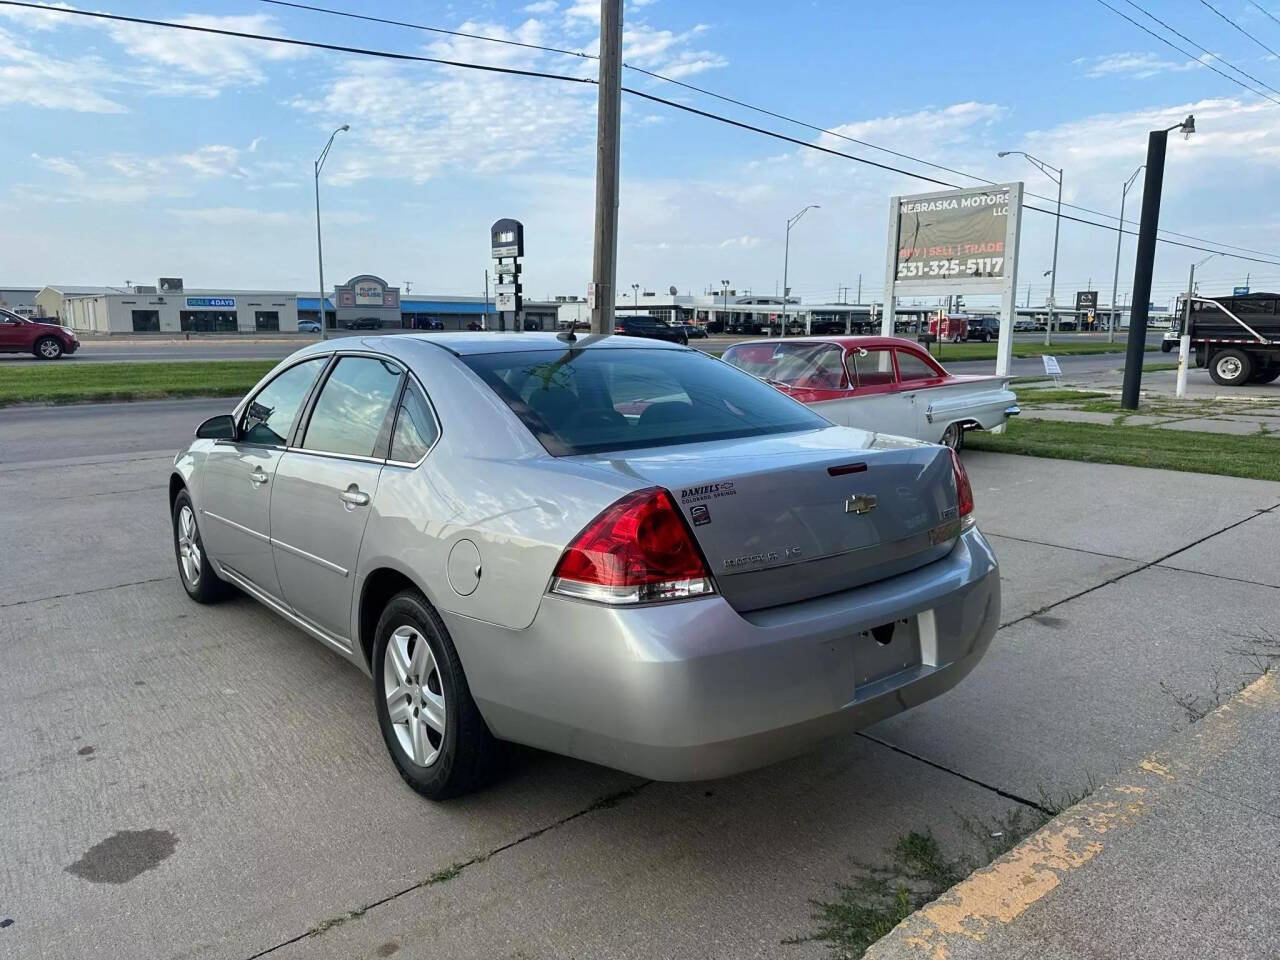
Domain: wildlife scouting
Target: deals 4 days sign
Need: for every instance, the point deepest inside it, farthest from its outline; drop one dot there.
(956, 236)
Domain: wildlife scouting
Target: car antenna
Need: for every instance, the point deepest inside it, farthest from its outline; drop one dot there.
(567, 334)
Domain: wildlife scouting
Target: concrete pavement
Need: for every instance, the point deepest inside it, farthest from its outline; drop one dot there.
(208, 782)
(1175, 857)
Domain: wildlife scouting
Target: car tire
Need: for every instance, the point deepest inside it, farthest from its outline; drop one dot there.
(1230, 368)
(953, 436)
(684, 341)
(195, 572)
(438, 764)
(47, 348)
(1166, 346)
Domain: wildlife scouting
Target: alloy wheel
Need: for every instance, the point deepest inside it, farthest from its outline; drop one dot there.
(415, 696)
(1229, 368)
(189, 553)
(50, 350)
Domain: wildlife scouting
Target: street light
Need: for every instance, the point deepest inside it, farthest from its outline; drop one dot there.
(1184, 341)
(724, 284)
(1115, 279)
(635, 289)
(1057, 222)
(319, 165)
(786, 259)
(1152, 186)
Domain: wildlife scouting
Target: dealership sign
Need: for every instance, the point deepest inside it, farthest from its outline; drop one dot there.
(212, 302)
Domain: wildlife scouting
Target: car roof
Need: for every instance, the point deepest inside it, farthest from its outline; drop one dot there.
(473, 342)
(842, 341)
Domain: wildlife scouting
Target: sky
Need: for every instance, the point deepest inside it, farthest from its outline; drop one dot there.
(134, 152)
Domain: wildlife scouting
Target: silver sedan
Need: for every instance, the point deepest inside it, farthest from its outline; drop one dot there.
(616, 549)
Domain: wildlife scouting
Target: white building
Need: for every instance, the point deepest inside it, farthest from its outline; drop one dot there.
(175, 310)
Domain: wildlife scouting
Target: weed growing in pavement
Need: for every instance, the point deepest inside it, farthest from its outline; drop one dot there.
(918, 871)
(1260, 651)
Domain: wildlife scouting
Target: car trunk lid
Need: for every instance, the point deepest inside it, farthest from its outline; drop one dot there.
(793, 516)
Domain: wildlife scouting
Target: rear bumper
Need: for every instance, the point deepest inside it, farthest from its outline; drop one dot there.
(694, 690)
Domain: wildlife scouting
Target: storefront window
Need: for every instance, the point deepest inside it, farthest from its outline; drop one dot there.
(146, 321)
(266, 320)
(209, 321)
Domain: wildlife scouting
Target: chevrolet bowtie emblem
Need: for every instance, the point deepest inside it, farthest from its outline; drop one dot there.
(860, 503)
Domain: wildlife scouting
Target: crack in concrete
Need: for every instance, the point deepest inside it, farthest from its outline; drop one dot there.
(998, 791)
(455, 869)
(80, 593)
(1146, 565)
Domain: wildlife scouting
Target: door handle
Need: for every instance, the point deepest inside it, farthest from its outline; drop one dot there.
(258, 478)
(353, 496)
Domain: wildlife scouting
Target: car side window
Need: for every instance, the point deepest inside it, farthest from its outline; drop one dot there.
(415, 429)
(269, 416)
(875, 369)
(350, 416)
(913, 369)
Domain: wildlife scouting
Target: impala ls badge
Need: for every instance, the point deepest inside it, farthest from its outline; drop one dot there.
(860, 503)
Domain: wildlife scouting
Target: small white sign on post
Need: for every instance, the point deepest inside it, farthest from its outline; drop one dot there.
(1051, 367)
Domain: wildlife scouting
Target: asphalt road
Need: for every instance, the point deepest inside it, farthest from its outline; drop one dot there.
(185, 781)
(147, 349)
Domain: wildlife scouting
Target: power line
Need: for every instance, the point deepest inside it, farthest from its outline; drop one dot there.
(736, 102)
(1206, 50)
(364, 51)
(1266, 11)
(1240, 28)
(1187, 53)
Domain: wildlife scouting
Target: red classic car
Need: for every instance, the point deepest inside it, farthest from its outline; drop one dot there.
(878, 383)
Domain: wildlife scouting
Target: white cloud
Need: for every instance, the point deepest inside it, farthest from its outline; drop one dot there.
(253, 216)
(216, 61)
(58, 165)
(667, 52)
(214, 160)
(34, 79)
(541, 6)
(745, 242)
(38, 19)
(255, 143)
(1139, 66)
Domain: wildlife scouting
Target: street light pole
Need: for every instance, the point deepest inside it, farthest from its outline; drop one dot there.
(724, 284)
(1115, 279)
(786, 262)
(319, 165)
(1057, 223)
(635, 289)
(1184, 341)
(1135, 348)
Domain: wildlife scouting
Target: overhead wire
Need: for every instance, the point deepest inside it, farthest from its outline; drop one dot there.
(515, 71)
(1240, 28)
(315, 8)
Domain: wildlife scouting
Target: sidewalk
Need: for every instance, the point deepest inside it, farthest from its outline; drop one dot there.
(1174, 858)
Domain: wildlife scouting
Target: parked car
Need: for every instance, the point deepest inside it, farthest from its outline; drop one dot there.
(308, 326)
(691, 331)
(48, 341)
(714, 579)
(649, 327)
(1025, 326)
(364, 323)
(985, 328)
(884, 384)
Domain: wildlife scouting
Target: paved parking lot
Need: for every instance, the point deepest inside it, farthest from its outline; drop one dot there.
(209, 782)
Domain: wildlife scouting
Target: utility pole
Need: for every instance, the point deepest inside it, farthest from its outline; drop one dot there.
(1152, 187)
(604, 267)
(1115, 280)
(486, 300)
(859, 300)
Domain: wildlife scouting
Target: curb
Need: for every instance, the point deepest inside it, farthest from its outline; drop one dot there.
(991, 900)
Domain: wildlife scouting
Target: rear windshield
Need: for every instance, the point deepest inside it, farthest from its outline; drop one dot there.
(597, 401)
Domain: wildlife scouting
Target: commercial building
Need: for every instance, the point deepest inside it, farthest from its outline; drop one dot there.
(170, 308)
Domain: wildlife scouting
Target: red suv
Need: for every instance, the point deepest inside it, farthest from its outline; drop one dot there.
(48, 341)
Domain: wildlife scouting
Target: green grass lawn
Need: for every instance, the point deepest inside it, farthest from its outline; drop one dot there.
(1157, 367)
(68, 381)
(1253, 456)
(987, 351)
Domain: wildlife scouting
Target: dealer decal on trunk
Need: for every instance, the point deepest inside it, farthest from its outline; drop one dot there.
(707, 491)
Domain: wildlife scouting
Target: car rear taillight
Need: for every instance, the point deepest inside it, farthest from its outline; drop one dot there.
(964, 491)
(637, 551)
(619, 329)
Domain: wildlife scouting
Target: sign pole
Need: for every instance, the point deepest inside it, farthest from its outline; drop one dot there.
(1009, 295)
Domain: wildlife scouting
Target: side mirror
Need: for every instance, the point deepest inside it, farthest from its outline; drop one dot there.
(221, 427)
